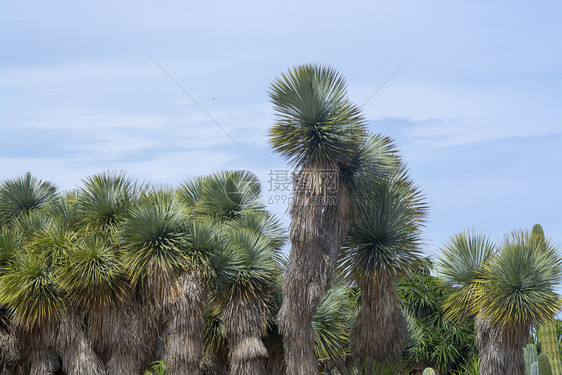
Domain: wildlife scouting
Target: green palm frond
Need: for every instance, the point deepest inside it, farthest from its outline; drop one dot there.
(386, 235)
(316, 123)
(376, 158)
(105, 199)
(226, 194)
(190, 191)
(331, 323)
(202, 243)
(35, 221)
(64, 210)
(463, 256)
(265, 224)
(255, 263)
(93, 273)
(154, 238)
(214, 338)
(51, 243)
(31, 292)
(517, 285)
(23, 195)
(11, 243)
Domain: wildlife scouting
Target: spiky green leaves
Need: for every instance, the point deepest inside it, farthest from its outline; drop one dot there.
(316, 123)
(93, 273)
(512, 286)
(223, 195)
(464, 256)
(105, 199)
(23, 195)
(386, 235)
(517, 284)
(154, 237)
(30, 289)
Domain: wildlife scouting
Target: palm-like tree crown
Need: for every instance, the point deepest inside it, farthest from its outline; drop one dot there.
(154, 238)
(22, 195)
(463, 258)
(516, 286)
(316, 123)
(386, 235)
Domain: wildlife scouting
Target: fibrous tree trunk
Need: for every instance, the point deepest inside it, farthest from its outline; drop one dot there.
(74, 347)
(380, 331)
(184, 348)
(244, 324)
(319, 221)
(501, 347)
(123, 335)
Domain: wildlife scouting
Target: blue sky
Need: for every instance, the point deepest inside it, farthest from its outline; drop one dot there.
(476, 112)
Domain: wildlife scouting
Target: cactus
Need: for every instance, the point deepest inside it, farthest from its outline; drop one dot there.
(534, 369)
(428, 371)
(544, 364)
(530, 355)
(547, 332)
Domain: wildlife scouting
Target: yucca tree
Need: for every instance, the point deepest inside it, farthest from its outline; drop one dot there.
(154, 237)
(244, 299)
(383, 244)
(23, 195)
(323, 136)
(117, 320)
(508, 293)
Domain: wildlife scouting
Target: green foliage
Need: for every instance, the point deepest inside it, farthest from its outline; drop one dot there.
(332, 321)
(316, 123)
(530, 356)
(386, 235)
(157, 368)
(29, 287)
(154, 237)
(23, 195)
(544, 364)
(517, 285)
(379, 369)
(435, 340)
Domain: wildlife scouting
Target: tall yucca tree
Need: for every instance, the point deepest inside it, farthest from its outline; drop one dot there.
(230, 200)
(116, 317)
(28, 287)
(154, 237)
(382, 244)
(23, 195)
(511, 290)
(322, 135)
(244, 298)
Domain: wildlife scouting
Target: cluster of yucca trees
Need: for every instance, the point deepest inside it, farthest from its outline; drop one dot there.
(112, 276)
(107, 278)
(505, 289)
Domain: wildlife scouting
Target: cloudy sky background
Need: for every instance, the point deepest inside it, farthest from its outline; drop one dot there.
(476, 112)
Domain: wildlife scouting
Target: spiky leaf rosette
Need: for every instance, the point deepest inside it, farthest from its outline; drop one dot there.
(254, 266)
(30, 290)
(23, 195)
(226, 194)
(93, 273)
(105, 199)
(154, 239)
(386, 235)
(264, 224)
(331, 323)
(517, 285)
(316, 123)
(463, 257)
